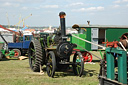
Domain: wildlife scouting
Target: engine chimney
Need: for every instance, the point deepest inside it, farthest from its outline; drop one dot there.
(62, 23)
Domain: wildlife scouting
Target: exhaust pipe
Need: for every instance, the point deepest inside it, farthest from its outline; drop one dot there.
(62, 23)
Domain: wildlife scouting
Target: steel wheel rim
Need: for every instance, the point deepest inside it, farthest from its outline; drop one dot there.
(16, 53)
(50, 65)
(78, 64)
(87, 57)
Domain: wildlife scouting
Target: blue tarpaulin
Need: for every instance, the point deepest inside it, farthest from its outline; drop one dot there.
(24, 28)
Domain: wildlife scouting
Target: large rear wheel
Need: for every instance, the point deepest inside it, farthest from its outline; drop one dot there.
(78, 66)
(51, 64)
(35, 55)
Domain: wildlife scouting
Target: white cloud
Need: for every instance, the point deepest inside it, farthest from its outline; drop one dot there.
(50, 6)
(117, 1)
(23, 1)
(127, 5)
(100, 8)
(116, 6)
(77, 3)
(91, 9)
(24, 8)
(125, 0)
(120, 1)
(78, 10)
(8, 4)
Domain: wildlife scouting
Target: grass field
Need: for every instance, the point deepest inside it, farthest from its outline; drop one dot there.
(17, 72)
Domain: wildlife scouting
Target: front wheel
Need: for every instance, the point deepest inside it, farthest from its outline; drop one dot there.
(51, 64)
(78, 66)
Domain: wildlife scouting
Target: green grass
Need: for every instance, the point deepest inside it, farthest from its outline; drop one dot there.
(16, 72)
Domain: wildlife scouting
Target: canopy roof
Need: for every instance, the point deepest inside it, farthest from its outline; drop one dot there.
(98, 26)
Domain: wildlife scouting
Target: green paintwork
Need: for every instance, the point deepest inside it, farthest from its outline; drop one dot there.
(11, 53)
(48, 38)
(33, 50)
(111, 35)
(78, 41)
(122, 64)
(122, 68)
(41, 41)
(53, 38)
(33, 60)
(88, 37)
(101, 54)
(3, 51)
(110, 66)
(114, 34)
(1, 42)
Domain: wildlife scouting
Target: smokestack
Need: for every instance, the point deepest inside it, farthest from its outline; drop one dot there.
(62, 23)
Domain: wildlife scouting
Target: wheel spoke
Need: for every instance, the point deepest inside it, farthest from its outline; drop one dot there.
(33, 49)
(77, 70)
(31, 57)
(50, 71)
(51, 64)
(33, 61)
(78, 64)
(50, 59)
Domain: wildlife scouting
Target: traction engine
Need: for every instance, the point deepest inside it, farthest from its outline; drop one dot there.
(54, 51)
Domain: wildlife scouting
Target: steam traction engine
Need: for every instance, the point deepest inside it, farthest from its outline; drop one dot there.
(54, 51)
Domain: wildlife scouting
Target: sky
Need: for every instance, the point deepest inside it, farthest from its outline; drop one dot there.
(45, 12)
